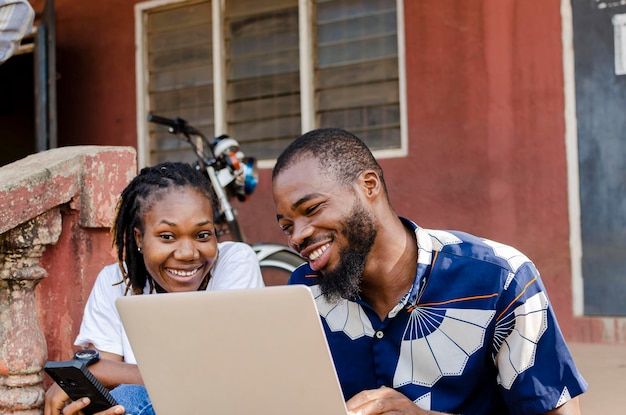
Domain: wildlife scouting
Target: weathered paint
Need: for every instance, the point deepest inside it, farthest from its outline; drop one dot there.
(57, 207)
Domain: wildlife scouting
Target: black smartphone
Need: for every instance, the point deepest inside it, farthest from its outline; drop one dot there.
(78, 382)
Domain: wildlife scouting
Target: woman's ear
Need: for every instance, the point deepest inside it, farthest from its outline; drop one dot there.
(138, 237)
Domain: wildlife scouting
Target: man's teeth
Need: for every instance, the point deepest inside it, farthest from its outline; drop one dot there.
(319, 251)
(183, 273)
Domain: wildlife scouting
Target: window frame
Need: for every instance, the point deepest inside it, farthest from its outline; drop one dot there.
(307, 75)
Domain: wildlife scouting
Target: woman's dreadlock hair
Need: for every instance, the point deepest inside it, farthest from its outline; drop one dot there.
(136, 199)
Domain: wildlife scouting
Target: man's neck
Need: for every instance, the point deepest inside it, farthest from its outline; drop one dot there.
(390, 269)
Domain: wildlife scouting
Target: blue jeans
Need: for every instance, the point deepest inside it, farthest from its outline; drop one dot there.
(134, 398)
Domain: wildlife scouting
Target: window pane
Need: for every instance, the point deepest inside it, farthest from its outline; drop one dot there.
(366, 49)
(263, 85)
(331, 9)
(180, 67)
(350, 119)
(357, 69)
(357, 27)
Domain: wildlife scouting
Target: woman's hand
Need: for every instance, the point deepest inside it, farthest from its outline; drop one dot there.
(74, 408)
(55, 400)
(58, 403)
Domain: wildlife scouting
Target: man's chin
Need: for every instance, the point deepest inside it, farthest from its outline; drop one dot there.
(334, 289)
(323, 273)
(331, 296)
(316, 267)
(325, 270)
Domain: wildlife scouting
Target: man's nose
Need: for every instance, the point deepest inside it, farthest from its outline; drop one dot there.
(300, 234)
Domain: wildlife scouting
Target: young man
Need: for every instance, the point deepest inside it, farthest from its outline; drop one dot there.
(418, 321)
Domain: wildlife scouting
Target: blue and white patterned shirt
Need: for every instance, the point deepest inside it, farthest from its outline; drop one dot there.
(475, 334)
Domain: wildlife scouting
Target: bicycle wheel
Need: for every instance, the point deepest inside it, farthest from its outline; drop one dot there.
(277, 262)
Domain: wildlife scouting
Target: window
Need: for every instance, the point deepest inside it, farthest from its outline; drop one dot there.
(179, 69)
(263, 82)
(600, 165)
(283, 67)
(357, 84)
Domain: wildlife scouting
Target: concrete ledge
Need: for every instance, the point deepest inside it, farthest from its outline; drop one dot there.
(604, 367)
(55, 211)
(87, 176)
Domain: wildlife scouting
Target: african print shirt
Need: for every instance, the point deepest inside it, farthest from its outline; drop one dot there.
(475, 334)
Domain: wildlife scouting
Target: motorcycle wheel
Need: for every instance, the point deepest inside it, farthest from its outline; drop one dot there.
(277, 263)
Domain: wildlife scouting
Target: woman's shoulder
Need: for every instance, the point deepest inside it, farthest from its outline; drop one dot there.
(237, 267)
(111, 271)
(110, 276)
(230, 248)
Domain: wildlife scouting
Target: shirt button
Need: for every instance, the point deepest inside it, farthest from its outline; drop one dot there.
(379, 334)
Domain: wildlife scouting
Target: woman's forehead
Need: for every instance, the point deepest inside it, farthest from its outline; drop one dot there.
(164, 197)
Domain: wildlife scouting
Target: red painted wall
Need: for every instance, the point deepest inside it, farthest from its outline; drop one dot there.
(62, 295)
(486, 132)
(486, 128)
(485, 120)
(95, 71)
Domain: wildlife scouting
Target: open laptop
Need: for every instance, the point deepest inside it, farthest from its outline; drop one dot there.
(239, 352)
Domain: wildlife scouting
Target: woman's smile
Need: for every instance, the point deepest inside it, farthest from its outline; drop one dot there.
(178, 240)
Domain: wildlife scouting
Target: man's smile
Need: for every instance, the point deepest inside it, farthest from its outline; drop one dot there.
(319, 251)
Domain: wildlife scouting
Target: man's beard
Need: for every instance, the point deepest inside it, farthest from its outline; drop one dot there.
(359, 229)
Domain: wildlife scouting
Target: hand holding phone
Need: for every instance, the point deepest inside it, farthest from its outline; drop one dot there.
(78, 382)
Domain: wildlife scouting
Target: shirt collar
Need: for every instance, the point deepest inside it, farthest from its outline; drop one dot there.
(424, 259)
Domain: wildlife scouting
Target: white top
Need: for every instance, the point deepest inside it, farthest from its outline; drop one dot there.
(237, 268)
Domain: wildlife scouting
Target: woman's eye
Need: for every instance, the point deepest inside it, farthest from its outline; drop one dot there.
(204, 235)
(167, 237)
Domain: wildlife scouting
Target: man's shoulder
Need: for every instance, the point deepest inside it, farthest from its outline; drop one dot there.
(303, 275)
(469, 247)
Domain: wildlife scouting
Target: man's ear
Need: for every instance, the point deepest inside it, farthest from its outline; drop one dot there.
(138, 237)
(371, 183)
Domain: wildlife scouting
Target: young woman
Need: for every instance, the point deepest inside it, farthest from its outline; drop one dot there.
(166, 242)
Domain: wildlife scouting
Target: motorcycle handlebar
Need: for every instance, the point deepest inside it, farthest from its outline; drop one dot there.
(178, 125)
(157, 119)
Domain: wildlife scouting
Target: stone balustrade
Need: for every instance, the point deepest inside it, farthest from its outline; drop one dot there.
(56, 209)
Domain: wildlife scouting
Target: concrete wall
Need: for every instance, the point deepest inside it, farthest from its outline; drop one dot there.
(84, 246)
(56, 208)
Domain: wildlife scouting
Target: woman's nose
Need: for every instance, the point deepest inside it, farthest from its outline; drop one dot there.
(186, 250)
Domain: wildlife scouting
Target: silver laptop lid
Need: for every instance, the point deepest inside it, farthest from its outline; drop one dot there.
(238, 352)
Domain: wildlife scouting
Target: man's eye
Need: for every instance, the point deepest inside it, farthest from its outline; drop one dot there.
(286, 229)
(312, 209)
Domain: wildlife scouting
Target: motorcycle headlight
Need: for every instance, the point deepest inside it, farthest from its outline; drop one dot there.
(223, 145)
(251, 175)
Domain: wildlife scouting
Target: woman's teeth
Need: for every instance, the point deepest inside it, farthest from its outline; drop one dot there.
(181, 273)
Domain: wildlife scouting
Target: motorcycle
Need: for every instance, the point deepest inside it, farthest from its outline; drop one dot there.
(232, 175)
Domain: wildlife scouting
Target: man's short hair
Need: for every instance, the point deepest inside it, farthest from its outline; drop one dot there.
(338, 152)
